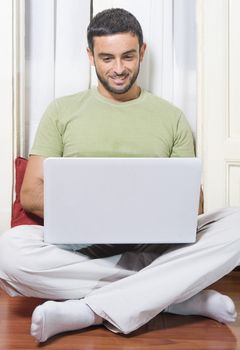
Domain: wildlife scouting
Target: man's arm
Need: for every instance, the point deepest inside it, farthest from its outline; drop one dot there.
(31, 195)
(201, 204)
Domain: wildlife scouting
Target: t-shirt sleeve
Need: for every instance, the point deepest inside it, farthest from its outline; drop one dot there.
(183, 145)
(48, 139)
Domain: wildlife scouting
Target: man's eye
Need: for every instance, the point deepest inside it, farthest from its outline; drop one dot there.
(128, 57)
(106, 59)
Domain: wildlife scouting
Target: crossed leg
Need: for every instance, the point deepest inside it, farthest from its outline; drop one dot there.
(123, 291)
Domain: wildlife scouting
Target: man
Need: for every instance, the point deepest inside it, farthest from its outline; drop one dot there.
(121, 287)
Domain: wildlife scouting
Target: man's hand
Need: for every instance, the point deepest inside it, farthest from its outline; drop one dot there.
(31, 195)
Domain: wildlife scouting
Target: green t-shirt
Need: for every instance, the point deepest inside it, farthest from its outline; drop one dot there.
(89, 125)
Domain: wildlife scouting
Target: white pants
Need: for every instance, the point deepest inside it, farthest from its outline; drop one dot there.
(127, 289)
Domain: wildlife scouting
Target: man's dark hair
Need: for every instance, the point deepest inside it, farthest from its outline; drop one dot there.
(113, 21)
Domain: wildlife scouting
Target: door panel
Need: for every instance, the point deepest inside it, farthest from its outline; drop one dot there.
(218, 97)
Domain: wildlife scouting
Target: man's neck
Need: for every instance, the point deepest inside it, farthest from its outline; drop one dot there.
(132, 94)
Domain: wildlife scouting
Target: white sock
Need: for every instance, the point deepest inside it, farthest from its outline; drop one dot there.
(208, 303)
(54, 317)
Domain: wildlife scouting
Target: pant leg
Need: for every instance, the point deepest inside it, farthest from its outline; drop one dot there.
(31, 267)
(174, 276)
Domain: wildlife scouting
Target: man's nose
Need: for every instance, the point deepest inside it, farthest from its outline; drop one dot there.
(118, 66)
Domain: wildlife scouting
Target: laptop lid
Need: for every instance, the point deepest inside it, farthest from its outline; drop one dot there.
(121, 200)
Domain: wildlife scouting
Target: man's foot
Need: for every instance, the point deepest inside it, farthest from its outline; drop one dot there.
(208, 303)
(54, 317)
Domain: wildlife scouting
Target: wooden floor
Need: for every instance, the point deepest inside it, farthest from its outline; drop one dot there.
(166, 332)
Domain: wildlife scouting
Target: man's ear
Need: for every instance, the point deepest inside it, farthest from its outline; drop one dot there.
(90, 56)
(142, 51)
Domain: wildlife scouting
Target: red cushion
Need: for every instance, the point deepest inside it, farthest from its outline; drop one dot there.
(19, 216)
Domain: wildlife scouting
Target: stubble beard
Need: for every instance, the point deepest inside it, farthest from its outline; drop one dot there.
(111, 89)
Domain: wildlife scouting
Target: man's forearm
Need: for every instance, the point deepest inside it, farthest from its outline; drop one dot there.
(32, 200)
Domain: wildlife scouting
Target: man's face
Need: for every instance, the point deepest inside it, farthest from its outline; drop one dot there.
(117, 61)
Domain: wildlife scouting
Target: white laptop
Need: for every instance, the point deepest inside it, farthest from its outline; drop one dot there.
(121, 200)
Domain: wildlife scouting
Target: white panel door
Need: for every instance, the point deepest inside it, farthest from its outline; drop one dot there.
(219, 109)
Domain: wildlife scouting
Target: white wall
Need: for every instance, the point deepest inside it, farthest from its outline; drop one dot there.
(6, 113)
(56, 58)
